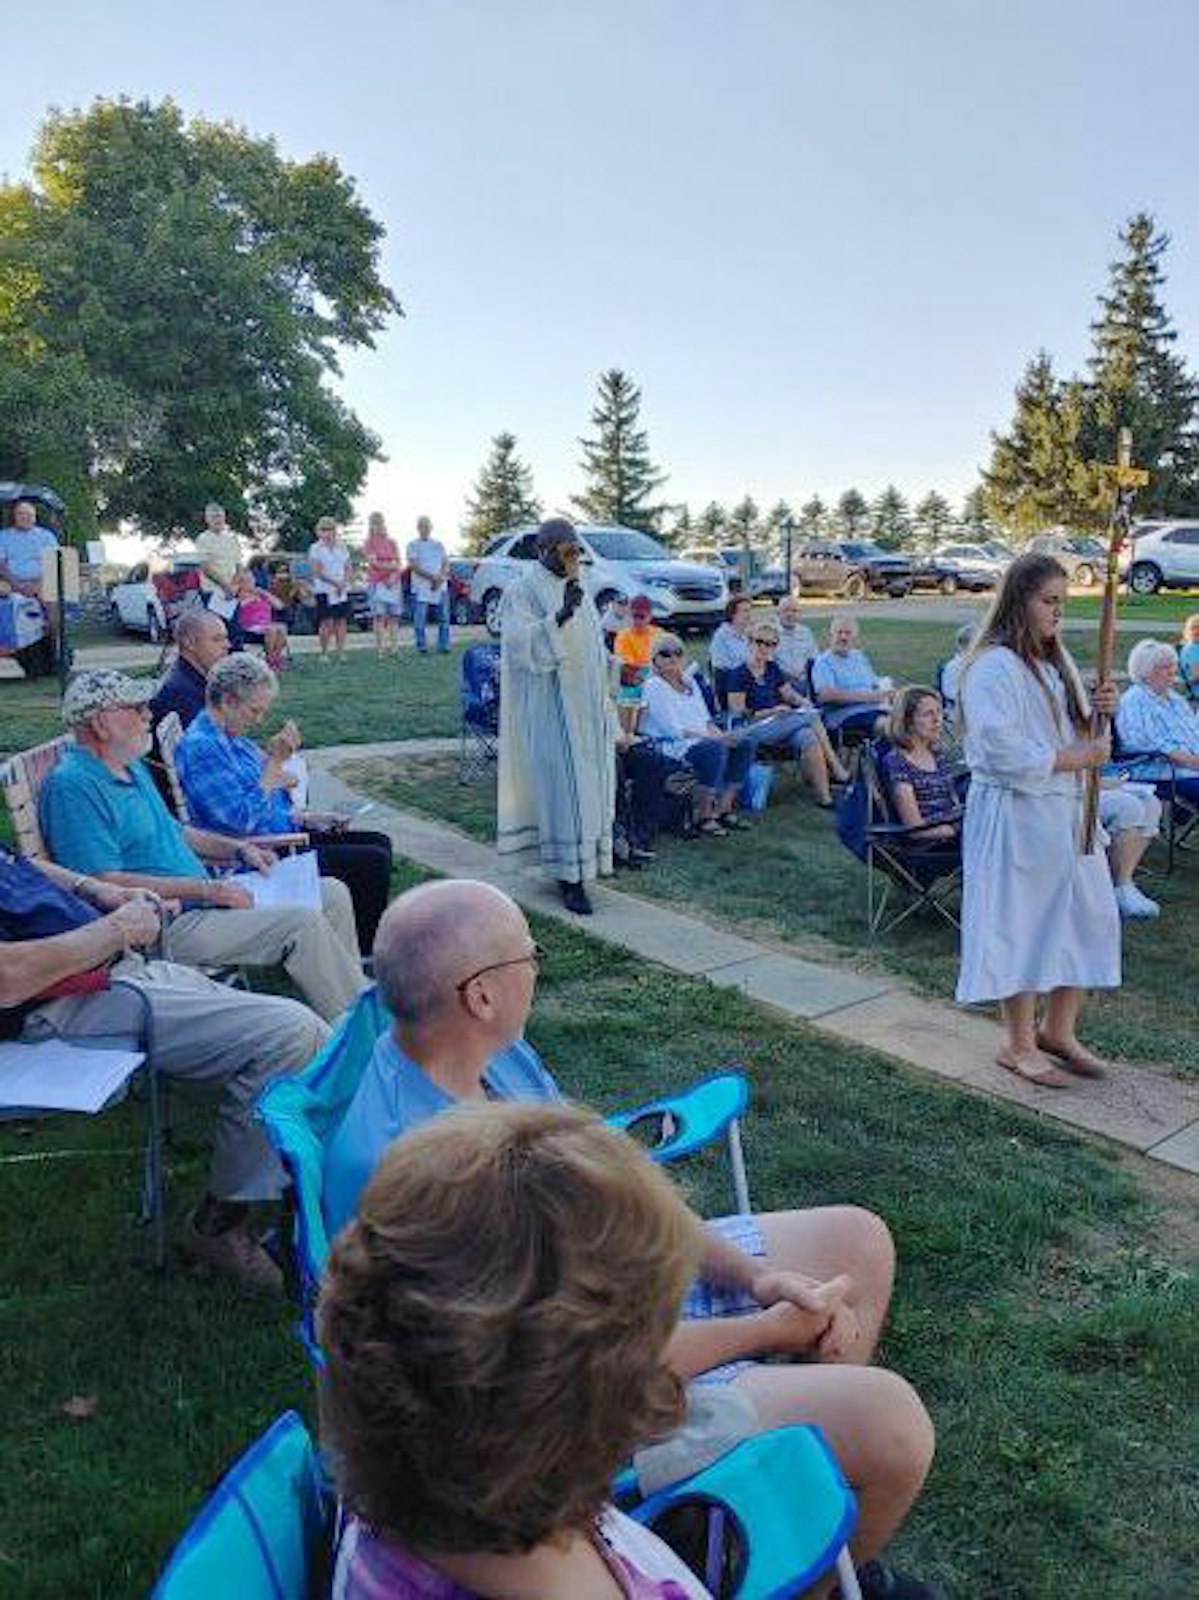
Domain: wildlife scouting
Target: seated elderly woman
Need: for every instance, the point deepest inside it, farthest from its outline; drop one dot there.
(1153, 716)
(778, 715)
(489, 1365)
(676, 717)
(233, 786)
(849, 692)
(920, 779)
(729, 647)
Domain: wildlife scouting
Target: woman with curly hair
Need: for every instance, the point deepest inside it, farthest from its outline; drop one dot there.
(495, 1322)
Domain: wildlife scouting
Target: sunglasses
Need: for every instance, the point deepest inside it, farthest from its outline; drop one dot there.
(768, 644)
(671, 653)
(535, 957)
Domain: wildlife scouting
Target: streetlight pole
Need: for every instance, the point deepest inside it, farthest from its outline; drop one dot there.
(788, 528)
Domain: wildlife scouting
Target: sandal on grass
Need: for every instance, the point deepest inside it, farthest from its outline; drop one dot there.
(1032, 1067)
(1077, 1059)
(711, 829)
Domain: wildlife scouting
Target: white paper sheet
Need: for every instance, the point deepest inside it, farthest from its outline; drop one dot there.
(297, 767)
(55, 1076)
(293, 881)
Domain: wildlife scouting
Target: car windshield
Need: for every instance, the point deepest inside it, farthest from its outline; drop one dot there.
(861, 552)
(626, 544)
(1085, 547)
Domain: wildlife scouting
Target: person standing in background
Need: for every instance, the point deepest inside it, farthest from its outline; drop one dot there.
(430, 585)
(383, 585)
(330, 560)
(219, 551)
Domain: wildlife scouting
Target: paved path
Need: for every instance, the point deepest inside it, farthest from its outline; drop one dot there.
(1146, 1111)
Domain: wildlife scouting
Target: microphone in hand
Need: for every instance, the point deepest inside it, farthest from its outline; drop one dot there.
(572, 598)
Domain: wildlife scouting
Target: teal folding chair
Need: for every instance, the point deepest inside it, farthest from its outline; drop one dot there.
(301, 1113)
(265, 1531)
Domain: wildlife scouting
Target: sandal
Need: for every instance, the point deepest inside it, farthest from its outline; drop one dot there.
(1032, 1067)
(1077, 1060)
(711, 829)
(733, 821)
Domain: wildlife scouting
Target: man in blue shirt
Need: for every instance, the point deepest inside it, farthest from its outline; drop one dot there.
(102, 816)
(457, 968)
(21, 548)
(845, 684)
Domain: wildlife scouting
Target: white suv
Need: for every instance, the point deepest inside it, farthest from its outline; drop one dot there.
(1165, 555)
(684, 594)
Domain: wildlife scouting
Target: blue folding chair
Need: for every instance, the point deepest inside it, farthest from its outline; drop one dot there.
(773, 1516)
(1180, 814)
(302, 1112)
(265, 1532)
(479, 731)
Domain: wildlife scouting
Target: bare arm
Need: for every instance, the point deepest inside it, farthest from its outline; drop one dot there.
(31, 966)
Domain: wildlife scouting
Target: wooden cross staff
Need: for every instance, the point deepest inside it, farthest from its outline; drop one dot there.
(1126, 480)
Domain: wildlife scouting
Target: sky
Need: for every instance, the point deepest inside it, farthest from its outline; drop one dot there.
(824, 236)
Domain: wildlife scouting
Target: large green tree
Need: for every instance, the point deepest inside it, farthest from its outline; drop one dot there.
(621, 478)
(202, 287)
(890, 519)
(744, 521)
(853, 514)
(503, 495)
(1139, 381)
(813, 518)
(932, 519)
(711, 526)
(1039, 476)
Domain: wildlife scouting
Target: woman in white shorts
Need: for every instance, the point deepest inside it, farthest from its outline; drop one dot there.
(383, 585)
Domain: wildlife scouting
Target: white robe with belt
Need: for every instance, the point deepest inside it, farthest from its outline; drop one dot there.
(1036, 914)
(557, 766)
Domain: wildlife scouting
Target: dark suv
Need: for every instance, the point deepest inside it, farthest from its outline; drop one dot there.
(853, 568)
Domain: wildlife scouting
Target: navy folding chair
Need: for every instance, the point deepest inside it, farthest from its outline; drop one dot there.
(478, 737)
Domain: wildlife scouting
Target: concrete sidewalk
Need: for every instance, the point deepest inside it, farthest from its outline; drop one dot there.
(1137, 1107)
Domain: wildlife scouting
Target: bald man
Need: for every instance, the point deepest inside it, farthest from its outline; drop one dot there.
(203, 639)
(457, 968)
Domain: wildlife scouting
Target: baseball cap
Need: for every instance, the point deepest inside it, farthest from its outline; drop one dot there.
(641, 606)
(100, 689)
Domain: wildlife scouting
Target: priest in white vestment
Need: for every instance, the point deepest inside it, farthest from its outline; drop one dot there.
(1039, 918)
(557, 765)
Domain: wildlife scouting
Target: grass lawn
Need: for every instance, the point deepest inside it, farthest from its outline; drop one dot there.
(1043, 1308)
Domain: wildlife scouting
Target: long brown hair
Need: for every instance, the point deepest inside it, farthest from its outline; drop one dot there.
(1007, 624)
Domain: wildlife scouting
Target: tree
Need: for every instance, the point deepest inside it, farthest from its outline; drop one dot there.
(743, 521)
(813, 518)
(503, 495)
(711, 526)
(777, 518)
(890, 520)
(1139, 382)
(932, 519)
(1038, 477)
(202, 287)
(974, 513)
(621, 476)
(681, 534)
(852, 513)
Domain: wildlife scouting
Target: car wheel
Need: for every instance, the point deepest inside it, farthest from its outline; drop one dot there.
(1084, 575)
(1144, 578)
(154, 628)
(460, 612)
(492, 602)
(856, 586)
(948, 584)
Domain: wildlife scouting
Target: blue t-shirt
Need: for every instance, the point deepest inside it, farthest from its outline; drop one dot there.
(22, 551)
(396, 1095)
(1188, 663)
(96, 822)
(849, 671)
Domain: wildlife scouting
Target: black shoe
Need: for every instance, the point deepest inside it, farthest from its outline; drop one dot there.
(878, 1582)
(641, 856)
(574, 898)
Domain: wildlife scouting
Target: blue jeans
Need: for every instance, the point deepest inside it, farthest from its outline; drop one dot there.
(420, 616)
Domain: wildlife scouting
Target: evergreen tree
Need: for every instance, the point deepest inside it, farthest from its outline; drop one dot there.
(932, 519)
(1039, 477)
(779, 514)
(711, 527)
(813, 518)
(1138, 381)
(621, 476)
(503, 495)
(890, 520)
(975, 516)
(743, 521)
(680, 534)
(853, 514)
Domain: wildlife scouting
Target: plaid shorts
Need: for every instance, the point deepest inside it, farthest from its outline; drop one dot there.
(704, 1300)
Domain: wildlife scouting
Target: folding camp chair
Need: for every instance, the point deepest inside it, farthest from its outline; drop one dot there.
(478, 737)
(167, 735)
(302, 1112)
(851, 734)
(177, 592)
(1180, 813)
(776, 1514)
(21, 778)
(901, 859)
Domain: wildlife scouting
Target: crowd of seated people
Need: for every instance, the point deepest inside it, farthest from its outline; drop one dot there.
(848, 690)
(778, 714)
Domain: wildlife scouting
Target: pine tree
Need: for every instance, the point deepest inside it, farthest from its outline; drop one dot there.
(743, 521)
(853, 514)
(974, 514)
(1139, 382)
(813, 518)
(932, 519)
(1039, 476)
(712, 526)
(890, 519)
(503, 495)
(679, 534)
(777, 517)
(621, 477)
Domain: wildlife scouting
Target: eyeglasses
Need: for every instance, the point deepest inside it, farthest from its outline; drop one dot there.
(767, 644)
(670, 653)
(534, 957)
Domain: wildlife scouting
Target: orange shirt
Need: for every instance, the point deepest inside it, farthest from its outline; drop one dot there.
(635, 646)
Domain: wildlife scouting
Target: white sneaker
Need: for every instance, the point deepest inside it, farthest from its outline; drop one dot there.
(1135, 906)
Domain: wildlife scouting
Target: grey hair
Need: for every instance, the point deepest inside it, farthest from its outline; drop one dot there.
(666, 641)
(234, 677)
(431, 938)
(191, 625)
(1146, 656)
(214, 505)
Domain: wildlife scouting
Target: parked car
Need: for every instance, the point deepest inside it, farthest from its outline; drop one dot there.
(684, 594)
(1164, 555)
(851, 567)
(745, 570)
(134, 604)
(990, 557)
(1084, 558)
(949, 572)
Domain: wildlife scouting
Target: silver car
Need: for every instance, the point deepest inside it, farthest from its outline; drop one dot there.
(1164, 555)
(617, 561)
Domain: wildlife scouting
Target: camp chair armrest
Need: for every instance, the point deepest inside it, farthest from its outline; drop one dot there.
(693, 1118)
(904, 830)
(278, 841)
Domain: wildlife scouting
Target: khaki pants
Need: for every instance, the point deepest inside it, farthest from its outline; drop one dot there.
(317, 949)
(206, 1034)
